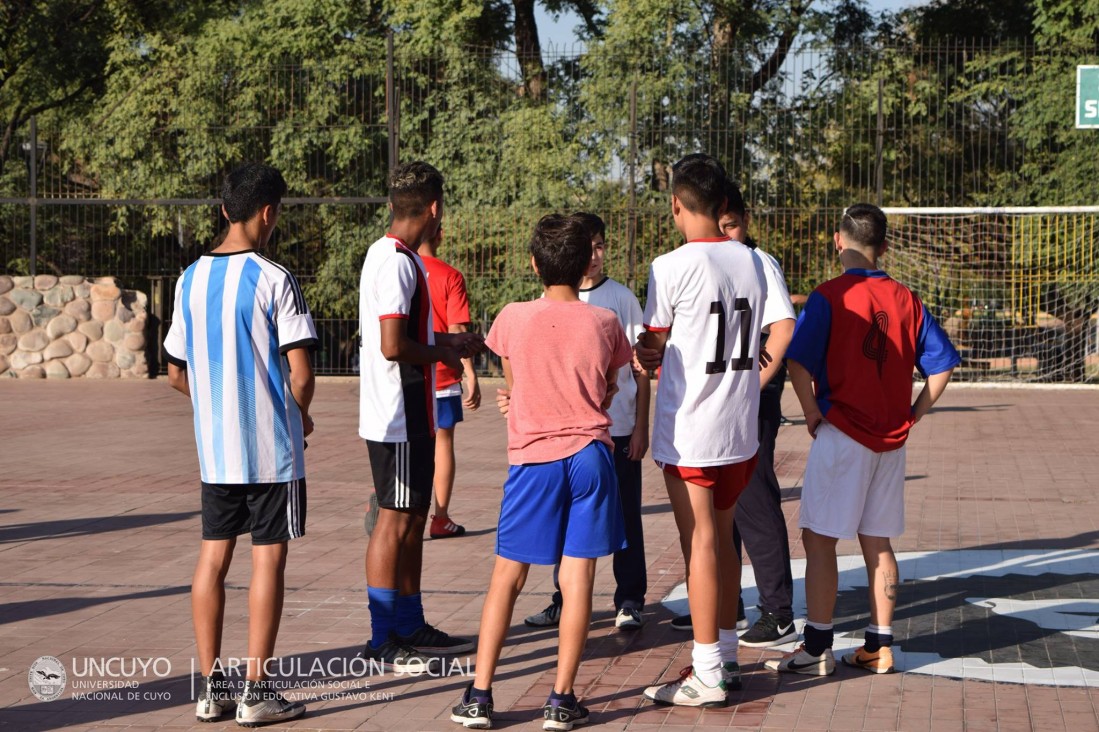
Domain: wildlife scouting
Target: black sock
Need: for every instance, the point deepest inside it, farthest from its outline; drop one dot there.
(569, 698)
(817, 641)
(874, 641)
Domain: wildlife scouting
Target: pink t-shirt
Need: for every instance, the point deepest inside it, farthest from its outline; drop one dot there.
(560, 353)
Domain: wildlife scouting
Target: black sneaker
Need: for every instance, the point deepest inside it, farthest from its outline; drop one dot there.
(260, 705)
(430, 639)
(474, 712)
(769, 630)
(683, 622)
(559, 714)
(398, 656)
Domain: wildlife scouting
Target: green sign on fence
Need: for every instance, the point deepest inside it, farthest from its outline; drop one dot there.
(1087, 97)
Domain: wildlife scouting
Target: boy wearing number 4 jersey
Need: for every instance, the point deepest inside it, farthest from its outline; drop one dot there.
(703, 320)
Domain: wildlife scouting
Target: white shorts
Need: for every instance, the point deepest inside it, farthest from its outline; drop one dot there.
(849, 489)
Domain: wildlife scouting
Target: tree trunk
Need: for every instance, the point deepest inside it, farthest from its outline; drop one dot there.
(529, 50)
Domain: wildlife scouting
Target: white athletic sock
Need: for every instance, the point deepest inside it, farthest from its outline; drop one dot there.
(706, 658)
(819, 626)
(728, 642)
(880, 629)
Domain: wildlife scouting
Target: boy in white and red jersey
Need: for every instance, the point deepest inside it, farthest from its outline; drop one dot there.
(397, 418)
(703, 320)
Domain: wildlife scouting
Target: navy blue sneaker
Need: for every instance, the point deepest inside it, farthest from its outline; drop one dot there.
(473, 712)
(559, 714)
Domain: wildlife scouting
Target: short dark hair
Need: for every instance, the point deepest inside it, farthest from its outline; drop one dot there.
(561, 246)
(698, 180)
(413, 187)
(250, 187)
(592, 223)
(864, 224)
(734, 200)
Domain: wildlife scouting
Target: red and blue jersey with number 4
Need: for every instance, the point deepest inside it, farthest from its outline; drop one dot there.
(860, 335)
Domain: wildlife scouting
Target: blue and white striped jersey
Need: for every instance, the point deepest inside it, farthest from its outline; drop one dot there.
(236, 315)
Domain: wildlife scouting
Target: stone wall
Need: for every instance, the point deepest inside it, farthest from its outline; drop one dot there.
(61, 327)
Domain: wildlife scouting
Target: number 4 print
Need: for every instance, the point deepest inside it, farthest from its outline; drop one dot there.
(744, 361)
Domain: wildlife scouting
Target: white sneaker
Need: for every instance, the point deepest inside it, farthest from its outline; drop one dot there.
(801, 662)
(688, 691)
(628, 618)
(551, 616)
(214, 699)
(260, 705)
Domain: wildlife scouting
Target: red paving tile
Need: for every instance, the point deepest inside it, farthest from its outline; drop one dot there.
(99, 527)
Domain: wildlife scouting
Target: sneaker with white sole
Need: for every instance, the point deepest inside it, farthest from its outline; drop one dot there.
(878, 662)
(429, 639)
(628, 618)
(799, 661)
(214, 698)
(260, 705)
(688, 691)
(559, 715)
(730, 674)
(473, 712)
(769, 630)
(549, 617)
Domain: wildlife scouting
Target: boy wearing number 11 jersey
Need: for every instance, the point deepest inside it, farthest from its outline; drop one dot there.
(703, 318)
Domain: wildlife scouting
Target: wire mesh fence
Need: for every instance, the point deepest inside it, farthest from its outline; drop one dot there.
(929, 125)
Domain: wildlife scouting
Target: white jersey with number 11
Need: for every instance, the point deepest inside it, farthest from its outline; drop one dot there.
(710, 294)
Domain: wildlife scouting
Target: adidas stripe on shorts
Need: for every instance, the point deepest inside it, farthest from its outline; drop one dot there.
(272, 512)
(404, 472)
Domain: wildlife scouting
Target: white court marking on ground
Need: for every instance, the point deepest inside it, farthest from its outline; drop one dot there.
(1077, 617)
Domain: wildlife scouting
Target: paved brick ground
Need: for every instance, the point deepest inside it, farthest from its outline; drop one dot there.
(99, 526)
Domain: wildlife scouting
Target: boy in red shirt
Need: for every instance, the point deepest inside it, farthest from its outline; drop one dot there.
(450, 313)
(561, 358)
(851, 361)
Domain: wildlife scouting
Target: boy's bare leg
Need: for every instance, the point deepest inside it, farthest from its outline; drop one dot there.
(508, 578)
(264, 605)
(394, 554)
(208, 599)
(693, 507)
(444, 471)
(728, 564)
(577, 580)
(882, 576)
(821, 576)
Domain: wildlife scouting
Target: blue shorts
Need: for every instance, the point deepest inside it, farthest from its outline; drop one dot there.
(450, 411)
(567, 507)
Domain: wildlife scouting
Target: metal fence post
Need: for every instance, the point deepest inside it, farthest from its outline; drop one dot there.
(879, 144)
(33, 156)
(631, 222)
(392, 102)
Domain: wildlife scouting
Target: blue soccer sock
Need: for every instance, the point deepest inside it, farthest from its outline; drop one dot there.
(382, 603)
(410, 614)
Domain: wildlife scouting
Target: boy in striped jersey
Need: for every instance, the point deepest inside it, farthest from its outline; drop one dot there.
(239, 347)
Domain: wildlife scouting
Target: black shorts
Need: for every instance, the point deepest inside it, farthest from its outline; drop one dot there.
(273, 512)
(404, 472)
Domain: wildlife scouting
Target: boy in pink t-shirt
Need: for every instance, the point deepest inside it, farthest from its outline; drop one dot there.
(561, 358)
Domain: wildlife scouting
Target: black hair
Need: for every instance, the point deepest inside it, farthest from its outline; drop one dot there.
(698, 181)
(734, 200)
(864, 224)
(249, 188)
(561, 246)
(413, 187)
(592, 223)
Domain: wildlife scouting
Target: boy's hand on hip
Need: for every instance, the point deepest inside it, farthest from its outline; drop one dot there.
(812, 422)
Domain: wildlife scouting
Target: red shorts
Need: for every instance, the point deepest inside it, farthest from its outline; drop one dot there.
(726, 481)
